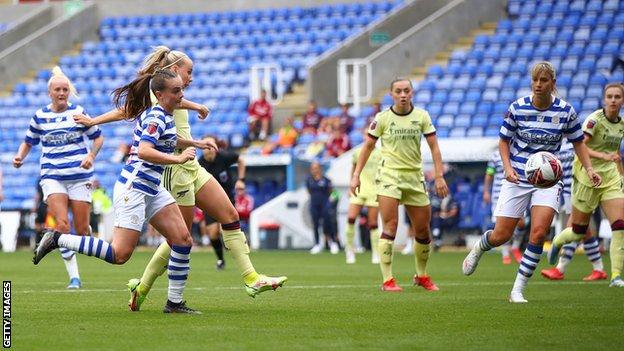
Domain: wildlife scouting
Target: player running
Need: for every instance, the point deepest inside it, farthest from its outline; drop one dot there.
(604, 131)
(533, 123)
(66, 163)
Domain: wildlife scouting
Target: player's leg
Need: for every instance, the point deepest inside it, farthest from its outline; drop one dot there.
(614, 210)
(81, 217)
(58, 208)
(352, 213)
(373, 213)
(420, 216)
(213, 229)
(389, 209)
(541, 219)
(213, 200)
(512, 202)
(565, 257)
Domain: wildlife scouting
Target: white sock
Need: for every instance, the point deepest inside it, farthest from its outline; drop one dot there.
(71, 265)
(179, 265)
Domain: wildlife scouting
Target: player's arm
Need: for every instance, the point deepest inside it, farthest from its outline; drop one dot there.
(487, 185)
(242, 169)
(367, 148)
(87, 162)
(436, 155)
(203, 110)
(582, 151)
(108, 117)
(510, 173)
(183, 143)
(147, 152)
(22, 152)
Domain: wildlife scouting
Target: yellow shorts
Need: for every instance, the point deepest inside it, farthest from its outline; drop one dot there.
(183, 181)
(367, 199)
(407, 187)
(586, 199)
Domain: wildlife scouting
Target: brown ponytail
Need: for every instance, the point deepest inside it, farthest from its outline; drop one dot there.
(134, 97)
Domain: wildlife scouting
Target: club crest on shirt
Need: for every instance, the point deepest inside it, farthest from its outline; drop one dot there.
(555, 119)
(152, 128)
(373, 125)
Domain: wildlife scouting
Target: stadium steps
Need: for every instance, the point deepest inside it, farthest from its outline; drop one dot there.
(441, 58)
(293, 104)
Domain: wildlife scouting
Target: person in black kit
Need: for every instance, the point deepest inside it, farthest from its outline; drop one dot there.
(218, 164)
(320, 188)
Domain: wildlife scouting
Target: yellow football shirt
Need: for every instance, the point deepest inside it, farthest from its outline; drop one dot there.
(400, 136)
(606, 136)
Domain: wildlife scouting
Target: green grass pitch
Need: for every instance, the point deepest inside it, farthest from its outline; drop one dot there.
(326, 304)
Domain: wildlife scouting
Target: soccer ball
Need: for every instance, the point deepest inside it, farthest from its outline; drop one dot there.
(543, 170)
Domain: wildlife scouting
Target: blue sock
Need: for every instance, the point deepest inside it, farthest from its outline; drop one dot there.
(88, 245)
(530, 259)
(592, 250)
(179, 265)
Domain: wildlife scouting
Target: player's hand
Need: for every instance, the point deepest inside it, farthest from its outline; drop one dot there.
(487, 197)
(512, 176)
(17, 162)
(615, 157)
(87, 162)
(203, 111)
(84, 120)
(206, 144)
(594, 177)
(187, 155)
(441, 188)
(354, 187)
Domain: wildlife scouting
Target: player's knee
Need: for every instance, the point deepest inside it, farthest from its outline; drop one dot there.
(422, 233)
(538, 232)
(231, 215)
(390, 226)
(121, 255)
(618, 225)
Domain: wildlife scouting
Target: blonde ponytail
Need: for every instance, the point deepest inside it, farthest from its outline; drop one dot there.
(58, 72)
(161, 57)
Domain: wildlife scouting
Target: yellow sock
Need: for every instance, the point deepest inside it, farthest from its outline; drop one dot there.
(350, 234)
(155, 268)
(236, 242)
(374, 238)
(567, 236)
(385, 258)
(422, 256)
(616, 253)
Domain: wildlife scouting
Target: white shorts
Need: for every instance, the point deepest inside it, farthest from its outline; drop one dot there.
(514, 199)
(134, 208)
(78, 190)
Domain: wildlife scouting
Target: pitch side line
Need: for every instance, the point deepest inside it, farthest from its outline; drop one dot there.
(332, 286)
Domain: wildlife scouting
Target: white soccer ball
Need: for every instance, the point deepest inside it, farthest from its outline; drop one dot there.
(543, 169)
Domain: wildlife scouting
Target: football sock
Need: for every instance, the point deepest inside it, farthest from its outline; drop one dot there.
(569, 235)
(71, 263)
(155, 268)
(218, 247)
(592, 250)
(529, 262)
(350, 234)
(87, 245)
(484, 244)
(235, 241)
(567, 252)
(179, 264)
(505, 249)
(616, 252)
(422, 249)
(374, 240)
(385, 247)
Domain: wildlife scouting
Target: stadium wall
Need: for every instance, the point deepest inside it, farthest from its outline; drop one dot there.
(433, 34)
(149, 7)
(322, 77)
(21, 25)
(40, 47)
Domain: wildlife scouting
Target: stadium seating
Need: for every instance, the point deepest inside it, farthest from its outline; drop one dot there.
(223, 46)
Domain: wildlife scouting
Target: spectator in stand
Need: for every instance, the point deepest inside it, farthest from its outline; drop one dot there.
(312, 119)
(338, 143)
(260, 114)
(244, 204)
(344, 119)
(376, 110)
(287, 137)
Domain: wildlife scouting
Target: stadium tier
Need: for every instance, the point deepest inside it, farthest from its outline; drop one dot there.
(223, 46)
